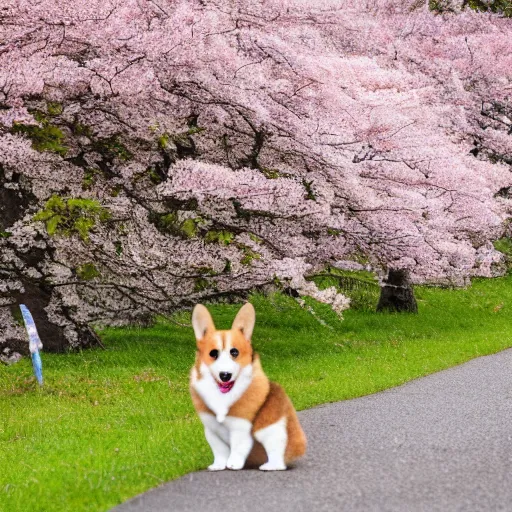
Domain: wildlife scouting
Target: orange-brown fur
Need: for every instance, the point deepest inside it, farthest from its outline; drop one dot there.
(276, 405)
(263, 403)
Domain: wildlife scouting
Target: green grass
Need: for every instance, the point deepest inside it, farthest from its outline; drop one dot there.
(109, 424)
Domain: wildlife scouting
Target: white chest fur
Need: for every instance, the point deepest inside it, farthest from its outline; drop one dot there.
(207, 388)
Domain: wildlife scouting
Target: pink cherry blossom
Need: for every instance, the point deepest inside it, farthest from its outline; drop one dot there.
(240, 143)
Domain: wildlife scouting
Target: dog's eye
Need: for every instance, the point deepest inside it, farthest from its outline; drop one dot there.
(214, 353)
(234, 352)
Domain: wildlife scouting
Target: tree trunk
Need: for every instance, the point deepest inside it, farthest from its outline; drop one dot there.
(22, 281)
(397, 293)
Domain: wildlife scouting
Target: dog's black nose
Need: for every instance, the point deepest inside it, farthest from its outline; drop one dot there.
(225, 376)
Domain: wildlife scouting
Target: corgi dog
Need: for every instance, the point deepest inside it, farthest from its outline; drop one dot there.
(248, 420)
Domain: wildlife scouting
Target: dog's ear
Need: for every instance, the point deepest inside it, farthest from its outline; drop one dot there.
(244, 320)
(201, 321)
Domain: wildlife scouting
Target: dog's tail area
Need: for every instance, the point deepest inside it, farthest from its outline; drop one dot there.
(297, 442)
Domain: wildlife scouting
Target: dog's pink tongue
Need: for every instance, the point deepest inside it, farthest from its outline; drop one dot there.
(226, 386)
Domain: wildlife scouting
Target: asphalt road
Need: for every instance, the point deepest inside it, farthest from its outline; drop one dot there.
(443, 442)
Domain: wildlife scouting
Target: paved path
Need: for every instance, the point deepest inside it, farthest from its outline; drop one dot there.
(443, 442)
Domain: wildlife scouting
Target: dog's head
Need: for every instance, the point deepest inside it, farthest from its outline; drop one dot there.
(225, 353)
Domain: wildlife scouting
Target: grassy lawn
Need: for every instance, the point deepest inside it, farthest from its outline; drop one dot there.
(109, 424)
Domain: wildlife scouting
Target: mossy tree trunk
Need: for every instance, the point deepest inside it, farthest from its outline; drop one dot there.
(23, 281)
(397, 294)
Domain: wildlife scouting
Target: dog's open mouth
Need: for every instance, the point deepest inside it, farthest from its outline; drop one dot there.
(226, 386)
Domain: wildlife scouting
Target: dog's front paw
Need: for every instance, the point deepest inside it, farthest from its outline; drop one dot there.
(268, 466)
(217, 466)
(235, 462)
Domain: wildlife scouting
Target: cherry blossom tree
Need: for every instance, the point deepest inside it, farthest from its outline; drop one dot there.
(154, 153)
